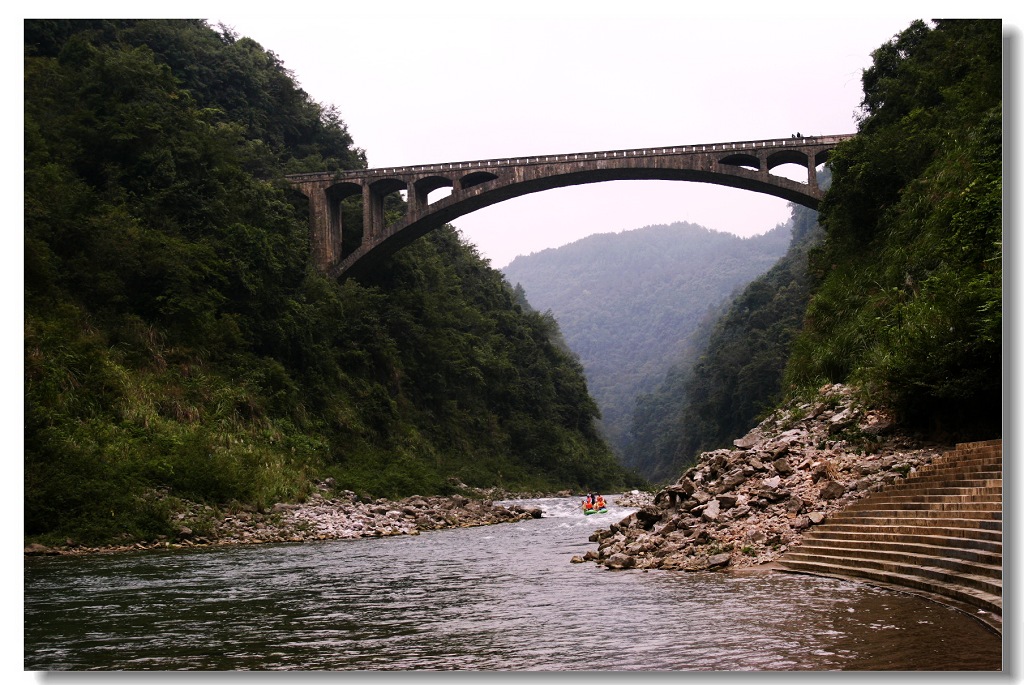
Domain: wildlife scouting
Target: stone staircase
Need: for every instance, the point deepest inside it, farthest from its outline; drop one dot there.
(938, 534)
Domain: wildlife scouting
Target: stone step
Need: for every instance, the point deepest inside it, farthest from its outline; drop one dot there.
(992, 488)
(937, 532)
(917, 506)
(933, 528)
(995, 442)
(929, 496)
(990, 468)
(927, 574)
(988, 566)
(973, 597)
(987, 468)
(950, 539)
(991, 520)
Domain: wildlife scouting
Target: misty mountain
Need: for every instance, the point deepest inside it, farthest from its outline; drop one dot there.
(628, 302)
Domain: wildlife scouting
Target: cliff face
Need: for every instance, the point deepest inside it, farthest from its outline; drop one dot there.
(746, 506)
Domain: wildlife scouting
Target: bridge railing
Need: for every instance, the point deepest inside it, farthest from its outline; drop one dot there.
(578, 156)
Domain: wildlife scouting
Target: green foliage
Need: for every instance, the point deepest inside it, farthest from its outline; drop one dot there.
(908, 301)
(178, 342)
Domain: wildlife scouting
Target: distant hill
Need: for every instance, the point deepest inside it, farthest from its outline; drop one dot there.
(732, 370)
(628, 302)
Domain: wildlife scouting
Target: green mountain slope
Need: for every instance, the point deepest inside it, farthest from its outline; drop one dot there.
(178, 341)
(627, 302)
(908, 284)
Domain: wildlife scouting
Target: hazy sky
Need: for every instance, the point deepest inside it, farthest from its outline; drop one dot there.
(449, 82)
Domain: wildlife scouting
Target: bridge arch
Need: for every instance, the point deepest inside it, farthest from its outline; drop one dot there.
(475, 185)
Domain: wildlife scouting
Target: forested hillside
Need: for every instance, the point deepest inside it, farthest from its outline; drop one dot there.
(731, 370)
(899, 295)
(178, 342)
(627, 302)
(907, 298)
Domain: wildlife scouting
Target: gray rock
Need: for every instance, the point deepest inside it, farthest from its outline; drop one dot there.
(719, 560)
(831, 490)
(782, 466)
(748, 440)
(711, 511)
(620, 561)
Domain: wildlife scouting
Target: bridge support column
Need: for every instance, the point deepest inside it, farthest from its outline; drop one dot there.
(415, 201)
(373, 214)
(324, 225)
(812, 174)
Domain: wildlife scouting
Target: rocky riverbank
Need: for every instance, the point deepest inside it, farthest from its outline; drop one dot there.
(744, 507)
(323, 516)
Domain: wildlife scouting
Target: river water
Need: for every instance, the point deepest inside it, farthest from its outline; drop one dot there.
(502, 597)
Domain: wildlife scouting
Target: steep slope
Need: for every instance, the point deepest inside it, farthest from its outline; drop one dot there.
(627, 302)
(178, 344)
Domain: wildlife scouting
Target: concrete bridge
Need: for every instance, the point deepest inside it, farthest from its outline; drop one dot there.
(479, 184)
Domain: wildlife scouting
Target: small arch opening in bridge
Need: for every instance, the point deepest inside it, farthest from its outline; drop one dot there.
(476, 178)
(791, 164)
(433, 188)
(742, 160)
(439, 194)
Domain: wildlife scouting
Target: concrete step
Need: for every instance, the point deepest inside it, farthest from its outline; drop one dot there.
(955, 472)
(980, 599)
(913, 504)
(935, 546)
(951, 540)
(992, 520)
(937, 533)
(964, 532)
(910, 557)
(942, 493)
(924, 575)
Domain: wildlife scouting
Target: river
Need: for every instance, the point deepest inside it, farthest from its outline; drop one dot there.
(502, 597)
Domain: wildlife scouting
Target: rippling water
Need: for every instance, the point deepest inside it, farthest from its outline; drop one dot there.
(501, 597)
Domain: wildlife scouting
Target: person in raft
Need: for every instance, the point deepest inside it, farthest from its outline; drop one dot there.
(600, 502)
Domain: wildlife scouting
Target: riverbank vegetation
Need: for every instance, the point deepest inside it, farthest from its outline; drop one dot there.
(178, 341)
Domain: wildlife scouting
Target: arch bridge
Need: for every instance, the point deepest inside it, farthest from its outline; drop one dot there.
(475, 185)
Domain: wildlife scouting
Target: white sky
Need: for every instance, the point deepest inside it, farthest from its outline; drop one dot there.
(455, 82)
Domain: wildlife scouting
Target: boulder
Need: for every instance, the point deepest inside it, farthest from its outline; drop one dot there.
(718, 560)
(782, 466)
(831, 490)
(711, 511)
(648, 516)
(620, 561)
(35, 549)
(727, 501)
(748, 440)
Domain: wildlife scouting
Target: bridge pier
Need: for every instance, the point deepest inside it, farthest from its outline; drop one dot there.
(373, 213)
